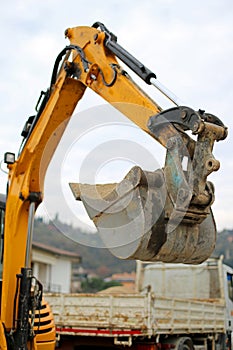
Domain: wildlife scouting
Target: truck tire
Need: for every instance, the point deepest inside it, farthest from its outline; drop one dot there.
(184, 343)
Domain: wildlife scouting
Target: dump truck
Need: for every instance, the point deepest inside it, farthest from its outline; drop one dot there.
(175, 306)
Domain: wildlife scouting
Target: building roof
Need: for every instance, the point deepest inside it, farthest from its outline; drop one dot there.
(56, 251)
(124, 277)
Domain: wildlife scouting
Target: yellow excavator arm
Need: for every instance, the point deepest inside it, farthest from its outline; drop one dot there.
(172, 205)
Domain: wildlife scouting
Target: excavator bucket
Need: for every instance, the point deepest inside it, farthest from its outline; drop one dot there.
(132, 221)
(163, 215)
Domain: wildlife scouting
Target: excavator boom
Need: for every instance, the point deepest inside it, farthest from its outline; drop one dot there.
(139, 219)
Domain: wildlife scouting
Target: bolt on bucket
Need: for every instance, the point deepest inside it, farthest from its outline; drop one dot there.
(137, 219)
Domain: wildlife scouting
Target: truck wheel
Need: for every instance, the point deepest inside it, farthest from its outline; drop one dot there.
(184, 343)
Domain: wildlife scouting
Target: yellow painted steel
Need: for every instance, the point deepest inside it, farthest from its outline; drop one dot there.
(27, 174)
(124, 94)
(3, 345)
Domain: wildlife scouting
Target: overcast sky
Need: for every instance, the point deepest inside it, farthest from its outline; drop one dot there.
(188, 44)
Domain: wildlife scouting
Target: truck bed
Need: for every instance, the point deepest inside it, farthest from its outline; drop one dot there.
(134, 315)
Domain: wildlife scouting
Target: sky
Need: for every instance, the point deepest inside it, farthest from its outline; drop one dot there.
(188, 44)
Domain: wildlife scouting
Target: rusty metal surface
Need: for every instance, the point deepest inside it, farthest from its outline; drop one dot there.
(94, 192)
(99, 311)
(133, 222)
(146, 313)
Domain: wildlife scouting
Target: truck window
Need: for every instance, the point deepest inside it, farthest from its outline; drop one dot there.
(230, 285)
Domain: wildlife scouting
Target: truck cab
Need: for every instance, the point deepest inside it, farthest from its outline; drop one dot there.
(228, 291)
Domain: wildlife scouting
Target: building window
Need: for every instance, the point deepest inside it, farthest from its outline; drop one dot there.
(230, 285)
(42, 272)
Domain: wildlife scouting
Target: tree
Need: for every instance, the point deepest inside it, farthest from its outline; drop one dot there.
(95, 284)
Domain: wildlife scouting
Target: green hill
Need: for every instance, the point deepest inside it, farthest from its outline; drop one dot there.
(224, 246)
(100, 260)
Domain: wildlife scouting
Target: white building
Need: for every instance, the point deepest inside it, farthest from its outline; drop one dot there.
(53, 267)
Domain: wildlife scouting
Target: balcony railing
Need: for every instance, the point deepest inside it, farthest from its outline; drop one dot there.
(51, 287)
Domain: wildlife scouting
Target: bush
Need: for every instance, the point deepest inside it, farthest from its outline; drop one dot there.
(95, 284)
